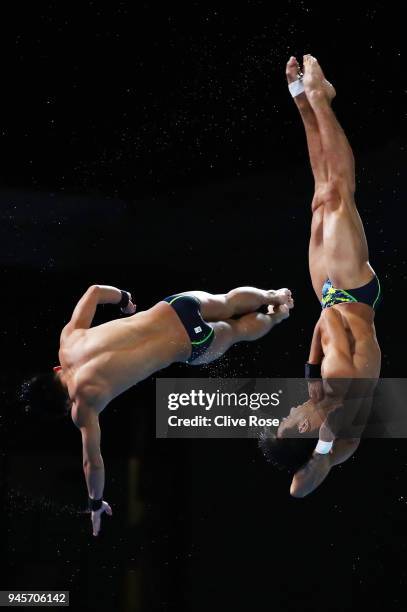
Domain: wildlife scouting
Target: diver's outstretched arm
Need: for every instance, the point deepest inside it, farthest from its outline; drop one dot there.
(93, 467)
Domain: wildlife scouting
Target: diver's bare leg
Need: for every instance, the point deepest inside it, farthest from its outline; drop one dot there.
(345, 246)
(247, 328)
(240, 301)
(316, 260)
(338, 153)
(309, 120)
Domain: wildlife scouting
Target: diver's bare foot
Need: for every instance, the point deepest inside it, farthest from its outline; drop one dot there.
(279, 313)
(293, 72)
(317, 89)
(279, 297)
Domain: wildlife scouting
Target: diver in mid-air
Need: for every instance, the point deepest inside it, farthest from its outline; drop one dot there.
(344, 346)
(99, 363)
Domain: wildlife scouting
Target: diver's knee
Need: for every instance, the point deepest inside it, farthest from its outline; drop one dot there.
(333, 197)
(328, 194)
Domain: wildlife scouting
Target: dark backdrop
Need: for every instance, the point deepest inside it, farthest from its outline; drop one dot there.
(157, 149)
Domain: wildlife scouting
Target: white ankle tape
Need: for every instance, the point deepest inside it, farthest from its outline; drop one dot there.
(323, 448)
(296, 87)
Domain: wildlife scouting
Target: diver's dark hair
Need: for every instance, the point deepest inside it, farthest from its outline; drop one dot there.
(286, 453)
(44, 396)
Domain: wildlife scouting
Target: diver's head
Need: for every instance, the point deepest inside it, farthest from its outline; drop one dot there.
(286, 453)
(296, 437)
(46, 395)
(303, 421)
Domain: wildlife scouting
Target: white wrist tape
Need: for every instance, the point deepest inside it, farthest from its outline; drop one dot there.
(296, 87)
(323, 448)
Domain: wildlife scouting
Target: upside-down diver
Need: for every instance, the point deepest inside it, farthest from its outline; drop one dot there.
(344, 346)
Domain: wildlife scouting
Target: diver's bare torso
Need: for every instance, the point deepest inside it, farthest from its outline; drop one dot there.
(349, 343)
(101, 362)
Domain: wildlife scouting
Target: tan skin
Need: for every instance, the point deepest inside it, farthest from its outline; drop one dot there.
(99, 363)
(344, 340)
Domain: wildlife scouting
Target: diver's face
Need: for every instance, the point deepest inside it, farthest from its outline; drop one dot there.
(303, 419)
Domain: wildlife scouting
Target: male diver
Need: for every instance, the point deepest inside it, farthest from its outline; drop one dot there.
(344, 345)
(99, 363)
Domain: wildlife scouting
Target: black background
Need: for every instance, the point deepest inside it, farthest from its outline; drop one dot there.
(157, 149)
